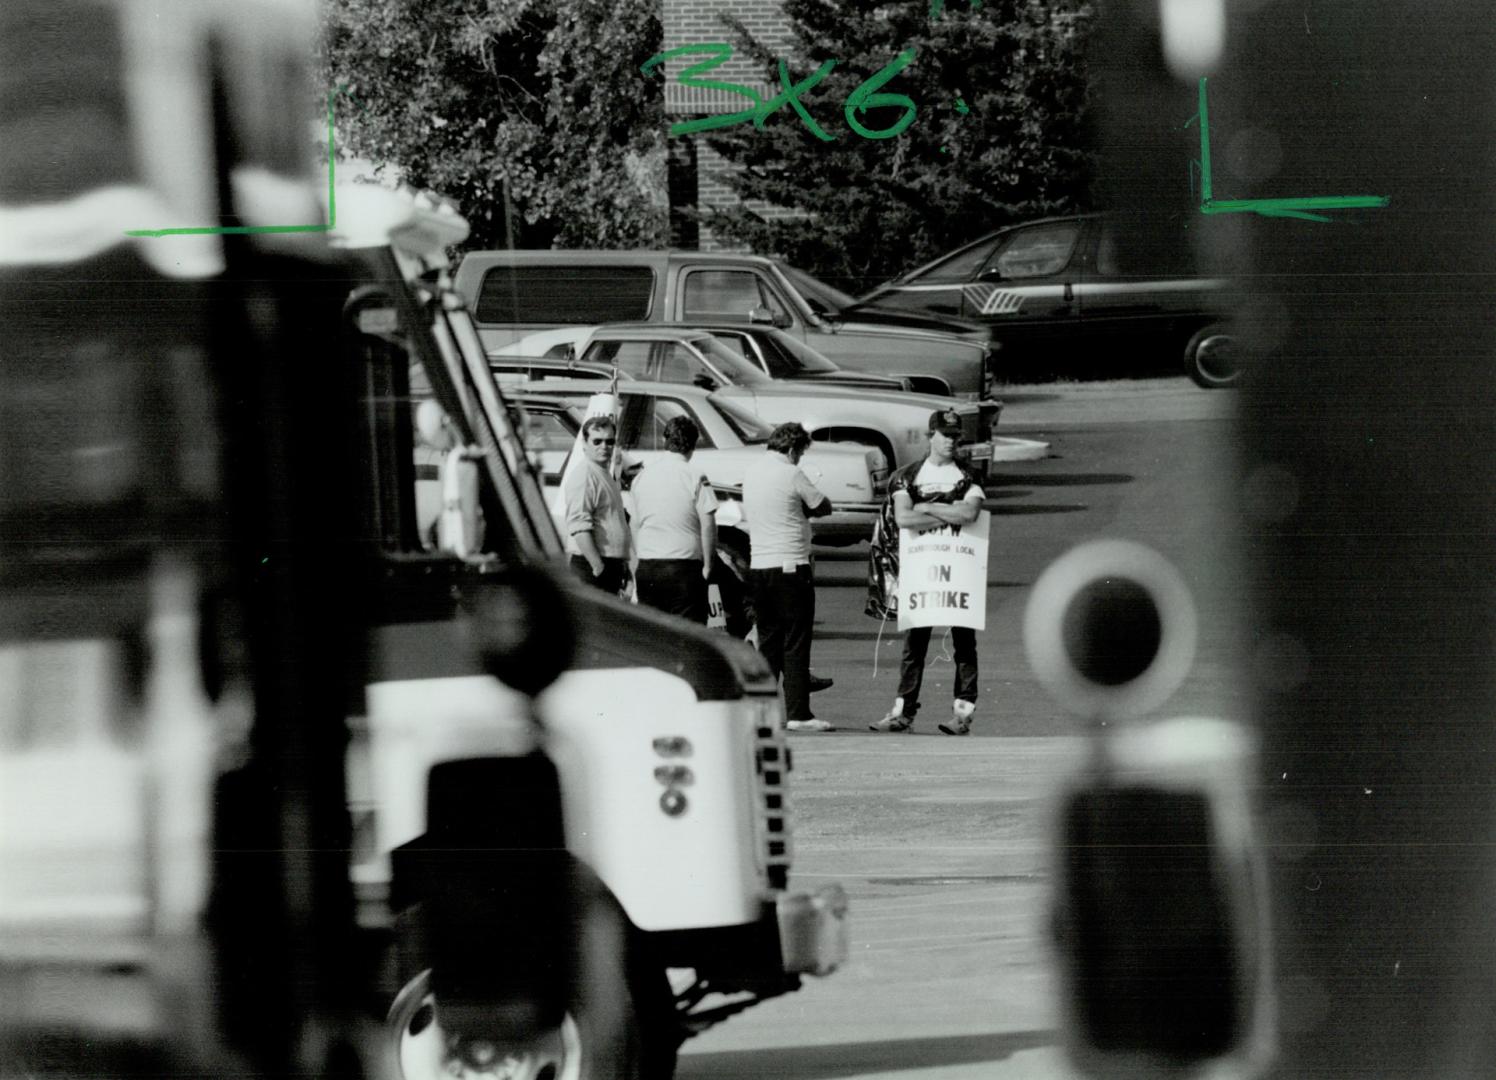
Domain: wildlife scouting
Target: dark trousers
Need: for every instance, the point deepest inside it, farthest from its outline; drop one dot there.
(615, 573)
(912, 666)
(673, 585)
(785, 605)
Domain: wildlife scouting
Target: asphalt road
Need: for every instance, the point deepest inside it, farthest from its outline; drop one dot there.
(943, 844)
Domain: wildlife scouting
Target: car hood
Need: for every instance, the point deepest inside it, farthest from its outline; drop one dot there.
(796, 389)
(859, 379)
(882, 332)
(874, 317)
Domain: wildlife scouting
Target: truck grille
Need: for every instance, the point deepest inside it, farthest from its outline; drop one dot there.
(772, 755)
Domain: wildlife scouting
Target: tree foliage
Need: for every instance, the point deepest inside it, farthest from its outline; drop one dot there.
(1000, 132)
(466, 97)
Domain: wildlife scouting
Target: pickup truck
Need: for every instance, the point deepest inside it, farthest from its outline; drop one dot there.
(515, 293)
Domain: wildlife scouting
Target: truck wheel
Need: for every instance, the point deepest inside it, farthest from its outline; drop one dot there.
(420, 1046)
(1210, 357)
(621, 1023)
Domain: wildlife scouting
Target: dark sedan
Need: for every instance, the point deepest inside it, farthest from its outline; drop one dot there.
(1065, 296)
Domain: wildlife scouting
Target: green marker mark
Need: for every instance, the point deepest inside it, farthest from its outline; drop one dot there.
(1307, 208)
(962, 107)
(243, 230)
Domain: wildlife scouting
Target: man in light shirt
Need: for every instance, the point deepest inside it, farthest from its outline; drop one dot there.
(925, 495)
(597, 531)
(675, 527)
(778, 502)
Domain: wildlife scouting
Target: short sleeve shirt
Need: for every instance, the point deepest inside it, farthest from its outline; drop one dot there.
(926, 482)
(775, 496)
(670, 501)
(944, 483)
(594, 504)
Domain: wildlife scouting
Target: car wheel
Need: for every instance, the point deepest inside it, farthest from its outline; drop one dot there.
(621, 1022)
(731, 578)
(1211, 358)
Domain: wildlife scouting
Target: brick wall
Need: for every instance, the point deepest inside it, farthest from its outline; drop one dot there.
(689, 22)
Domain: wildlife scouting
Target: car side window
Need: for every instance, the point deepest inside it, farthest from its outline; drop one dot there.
(658, 412)
(1106, 255)
(962, 266)
(1160, 251)
(678, 364)
(547, 431)
(549, 441)
(727, 294)
(1035, 252)
(738, 343)
(631, 357)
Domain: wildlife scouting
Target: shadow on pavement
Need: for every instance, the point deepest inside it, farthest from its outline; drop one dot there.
(1055, 508)
(858, 1059)
(1060, 479)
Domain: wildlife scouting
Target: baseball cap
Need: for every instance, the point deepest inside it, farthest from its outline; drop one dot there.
(947, 422)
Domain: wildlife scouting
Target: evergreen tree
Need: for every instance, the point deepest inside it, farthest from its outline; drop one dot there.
(998, 132)
(537, 101)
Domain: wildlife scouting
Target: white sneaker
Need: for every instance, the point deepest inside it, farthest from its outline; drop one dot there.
(960, 722)
(809, 725)
(895, 720)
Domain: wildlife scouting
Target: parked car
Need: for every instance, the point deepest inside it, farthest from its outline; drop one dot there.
(771, 350)
(514, 293)
(1059, 293)
(731, 438)
(893, 424)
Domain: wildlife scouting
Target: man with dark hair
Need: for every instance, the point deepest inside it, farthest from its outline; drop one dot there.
(675, 527)
(926, 495)
(778, 503)
(597, 532)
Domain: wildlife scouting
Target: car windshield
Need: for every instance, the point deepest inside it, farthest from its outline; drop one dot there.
(789, 357)
(748, 427)
(826, 299)
(739, 372)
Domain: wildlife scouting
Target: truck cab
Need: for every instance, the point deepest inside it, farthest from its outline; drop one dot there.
(668, 738)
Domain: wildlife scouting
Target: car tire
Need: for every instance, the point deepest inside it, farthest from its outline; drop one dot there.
(732, 578)
(1211, 357)
(621, 1023)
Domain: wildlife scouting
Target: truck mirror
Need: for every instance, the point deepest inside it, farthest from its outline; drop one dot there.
(761, 316)
(522, 626)
(1158, 906)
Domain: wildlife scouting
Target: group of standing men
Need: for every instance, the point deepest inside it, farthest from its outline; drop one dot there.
(673, 540)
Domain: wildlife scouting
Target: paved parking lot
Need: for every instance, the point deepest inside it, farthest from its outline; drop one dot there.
(944, 844)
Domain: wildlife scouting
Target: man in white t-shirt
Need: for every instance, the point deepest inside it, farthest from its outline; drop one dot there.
(930, 493)
(778, 501)
(597, 531)
(675, 527)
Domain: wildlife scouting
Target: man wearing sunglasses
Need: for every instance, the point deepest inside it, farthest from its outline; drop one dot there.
(597, 532)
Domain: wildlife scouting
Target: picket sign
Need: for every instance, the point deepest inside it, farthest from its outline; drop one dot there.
(716, 614)
(943, 575)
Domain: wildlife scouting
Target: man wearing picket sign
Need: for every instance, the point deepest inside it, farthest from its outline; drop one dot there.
(942, 575)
